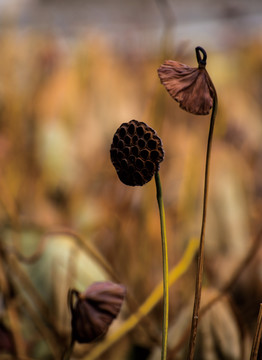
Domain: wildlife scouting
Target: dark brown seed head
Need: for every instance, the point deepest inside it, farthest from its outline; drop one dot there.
(136, 153)
(94, 310)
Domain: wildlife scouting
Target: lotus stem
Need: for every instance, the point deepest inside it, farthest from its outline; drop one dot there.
(200, 263)
(165, 266)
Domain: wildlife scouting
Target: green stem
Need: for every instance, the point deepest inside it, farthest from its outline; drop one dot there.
(165, 266)
(200, 264)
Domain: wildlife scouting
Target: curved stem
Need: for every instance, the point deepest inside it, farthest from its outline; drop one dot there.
(199, 275)
(165, 266)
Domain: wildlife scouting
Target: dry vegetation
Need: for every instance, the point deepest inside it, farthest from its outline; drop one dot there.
(59, 108)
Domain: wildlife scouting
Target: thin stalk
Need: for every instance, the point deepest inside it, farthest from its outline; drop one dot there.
(257, 338)
(200, 263)
(165, 266)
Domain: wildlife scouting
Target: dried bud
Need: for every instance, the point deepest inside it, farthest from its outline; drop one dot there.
(94, 310)
(191, 87)
(136, 153)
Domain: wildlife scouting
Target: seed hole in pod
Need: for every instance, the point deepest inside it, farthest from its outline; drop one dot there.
(134, 139)
(132, 159)
(138, 178)
(120, 144)
(141, 143)
(152, 144)
(154, 155)
(148, 177)
(126, 151)
(147, 136)
(122, 132)
(131, 169)
(144, 173)
(127, 140)
(140, 131)
(115, 139)
(120, 155)
(150, 166)
(134, 150)
(131, 129)
(139, 164)
(123, 176)
(144, 154)
(124, 163)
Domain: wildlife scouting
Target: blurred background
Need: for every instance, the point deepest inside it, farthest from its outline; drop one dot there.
(70, 73)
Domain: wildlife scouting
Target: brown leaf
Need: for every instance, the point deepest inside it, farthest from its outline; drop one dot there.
(191, 87)
(95, 309)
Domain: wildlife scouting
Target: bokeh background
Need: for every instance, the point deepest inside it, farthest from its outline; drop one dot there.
(70, 73)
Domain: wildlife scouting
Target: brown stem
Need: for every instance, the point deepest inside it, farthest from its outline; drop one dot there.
(200, 263)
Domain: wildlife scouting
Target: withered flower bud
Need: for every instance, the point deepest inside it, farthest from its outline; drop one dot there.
(136, 153)
(191, 87)
(94, 310)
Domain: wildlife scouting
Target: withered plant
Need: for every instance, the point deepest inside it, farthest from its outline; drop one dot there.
(93, 312)
(136, 153)
(193, 89)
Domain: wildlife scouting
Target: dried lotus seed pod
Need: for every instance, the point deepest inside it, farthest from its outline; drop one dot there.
(136, 153)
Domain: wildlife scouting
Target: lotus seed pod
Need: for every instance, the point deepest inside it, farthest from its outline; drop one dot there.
(136, 153)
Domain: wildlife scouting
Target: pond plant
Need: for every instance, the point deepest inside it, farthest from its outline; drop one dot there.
(136, 153)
